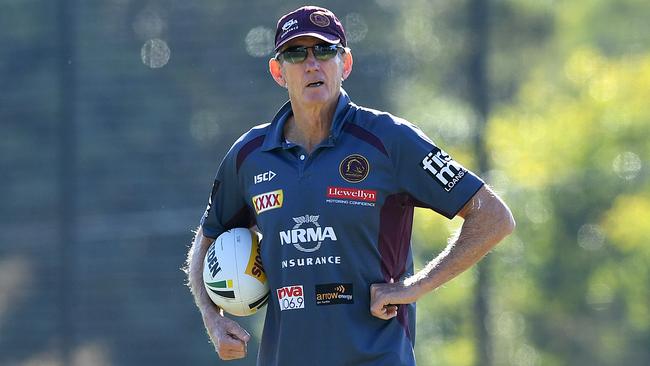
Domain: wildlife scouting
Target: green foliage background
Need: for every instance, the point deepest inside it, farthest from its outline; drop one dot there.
(569, 138)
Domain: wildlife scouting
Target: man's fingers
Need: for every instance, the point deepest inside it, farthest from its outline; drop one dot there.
(238, 332)
(391, 311)
(376, 310)
(230, 339)
(390, 308)
(385, 312)
(380, 306)
(376, 303)
(231, 348)
(231, 355)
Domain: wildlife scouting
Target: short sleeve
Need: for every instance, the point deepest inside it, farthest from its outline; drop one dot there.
(429, 174)
(226, 207)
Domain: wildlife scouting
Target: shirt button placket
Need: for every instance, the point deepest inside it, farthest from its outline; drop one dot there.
(302, 159)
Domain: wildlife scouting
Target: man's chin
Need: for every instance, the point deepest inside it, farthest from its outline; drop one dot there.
(318, 95)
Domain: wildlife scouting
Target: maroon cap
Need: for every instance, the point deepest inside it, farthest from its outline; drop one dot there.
(309, 21)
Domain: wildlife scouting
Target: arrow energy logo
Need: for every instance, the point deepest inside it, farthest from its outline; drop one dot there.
(334, 294)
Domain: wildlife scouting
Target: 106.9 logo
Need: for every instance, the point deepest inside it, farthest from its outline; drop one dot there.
(291, 297)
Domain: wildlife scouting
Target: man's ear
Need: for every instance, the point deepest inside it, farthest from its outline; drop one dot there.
(347, 64)
(275, 68)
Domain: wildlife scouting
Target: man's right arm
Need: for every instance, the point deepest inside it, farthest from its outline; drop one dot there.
(227, 208)
(228, 337)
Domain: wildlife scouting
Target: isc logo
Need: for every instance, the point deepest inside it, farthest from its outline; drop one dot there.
(291, 297)
(264, 177)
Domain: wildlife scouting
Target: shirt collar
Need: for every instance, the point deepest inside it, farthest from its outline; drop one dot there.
(275, 137)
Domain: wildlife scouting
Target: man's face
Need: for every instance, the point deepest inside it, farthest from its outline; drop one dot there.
(312, 81)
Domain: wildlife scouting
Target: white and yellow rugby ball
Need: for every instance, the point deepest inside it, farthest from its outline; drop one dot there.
(233, 274)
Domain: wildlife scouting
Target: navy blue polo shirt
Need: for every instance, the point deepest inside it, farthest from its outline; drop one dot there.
(334, 222)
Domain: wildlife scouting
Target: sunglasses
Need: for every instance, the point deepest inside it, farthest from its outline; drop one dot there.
(298, 54)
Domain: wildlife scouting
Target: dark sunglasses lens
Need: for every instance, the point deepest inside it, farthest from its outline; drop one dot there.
(295, 55)
(298, 54)
(323, 52)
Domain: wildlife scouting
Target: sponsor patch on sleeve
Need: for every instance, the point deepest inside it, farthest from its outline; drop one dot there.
(443, 169)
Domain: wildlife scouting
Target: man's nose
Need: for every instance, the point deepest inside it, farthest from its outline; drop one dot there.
(311, 60)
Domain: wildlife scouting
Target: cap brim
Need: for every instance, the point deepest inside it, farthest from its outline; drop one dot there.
(325, 37)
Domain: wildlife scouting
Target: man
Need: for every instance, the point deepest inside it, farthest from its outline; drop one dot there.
(332, 186)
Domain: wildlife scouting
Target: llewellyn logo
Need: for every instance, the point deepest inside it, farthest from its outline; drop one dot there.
(352, 194)
(310, 238)
(443, 168)
(268, 201)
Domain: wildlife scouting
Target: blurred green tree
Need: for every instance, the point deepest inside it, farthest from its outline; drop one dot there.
(568, 140)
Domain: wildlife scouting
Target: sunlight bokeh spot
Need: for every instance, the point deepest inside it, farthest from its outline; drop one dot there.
(510, 324)
(356, 27)
(155, 53)
(204, 127)
(604, 87)
(526, 355)
(259, 42)
(591, 237)
(420, 38)
(536, 211)
(148, 24)
(582, 65)
(627, 165)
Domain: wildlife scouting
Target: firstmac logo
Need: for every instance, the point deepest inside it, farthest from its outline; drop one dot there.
(442, 168)
(268, 201)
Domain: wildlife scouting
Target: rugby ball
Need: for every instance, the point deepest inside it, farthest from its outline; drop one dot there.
(233, 274)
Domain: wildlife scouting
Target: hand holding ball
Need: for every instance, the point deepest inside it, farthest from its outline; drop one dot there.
(233, 274)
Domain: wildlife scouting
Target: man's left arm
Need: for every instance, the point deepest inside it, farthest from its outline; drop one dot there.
(487, 221)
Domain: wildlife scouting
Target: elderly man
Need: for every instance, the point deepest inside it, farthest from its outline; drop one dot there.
(332, 187)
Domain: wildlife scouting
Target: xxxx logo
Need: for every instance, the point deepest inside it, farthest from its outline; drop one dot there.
(268, 201)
